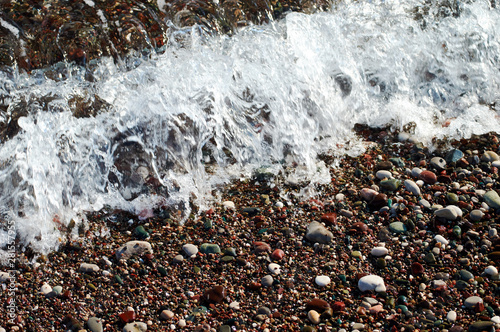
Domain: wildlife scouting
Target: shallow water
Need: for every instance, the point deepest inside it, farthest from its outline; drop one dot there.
(213, 108)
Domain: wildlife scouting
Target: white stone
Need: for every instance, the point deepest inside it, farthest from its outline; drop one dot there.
(267, 281)
(340, 197)
(46, 289)
(190, 249)
(471, 301)
(181, 323)
(476, 215)
(4, 276)
(371, 282)
(279, 205)
(322, 280)
(167, 314)
(229, 205)
(135, 327)
(495, 319)
(491, 270)
(415, 172)
(448, 213)
(379, 251)
(451, 316)
(88, 268)
(496, 164)
(274, 268)
(441, 239)
(132, 248)
(234, 305)
(383, 174)
(412, 187)
(317, 232)
(313, 316)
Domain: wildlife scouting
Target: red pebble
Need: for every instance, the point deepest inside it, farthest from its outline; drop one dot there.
(428, 177)
(338, 306)
(329, 218)
(318, 305)
(278, 254)
(127, 316)
(417, 268)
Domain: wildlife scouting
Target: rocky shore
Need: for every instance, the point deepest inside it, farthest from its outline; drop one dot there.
(401, 239)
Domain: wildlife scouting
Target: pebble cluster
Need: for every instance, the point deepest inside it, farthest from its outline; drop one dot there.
(401, 239)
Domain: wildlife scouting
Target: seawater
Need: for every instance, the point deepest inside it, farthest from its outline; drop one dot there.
(214, 108)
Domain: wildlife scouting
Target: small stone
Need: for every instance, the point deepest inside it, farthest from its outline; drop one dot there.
(88, 268)
(451, 316)
(490, 156)
(322, 281)
(57, 290)
(318, 305)
(210, 248)
(234, 305)
(481, 326)
(471, 301)
(314, 317)
(429, 258)
(133, 248)
(466, 275)
(371, 282)
(417, 268)
(46, 289)
(278, 254)
(449, 212)
(95, 324)
(135, 327)
(229, 205)
(397, 227)
(452, 198)
(379, 251)
(428, 177)
(267, 281)
(390, 184)
(383, 174)
(476, 215)
(167, 315)
(190, 249)
(412, 187)
(384, 165)
(274, 268)
(454, 155)
(492, 199)
(368, 194)
(127, 316)
(178, 259)
(441, 239)
(181, 323)
(438, 163)
(415, 172)
(329, 218)
(316, 232)
(140, 233)
(214, 295)
(264, 311)
(491, 270)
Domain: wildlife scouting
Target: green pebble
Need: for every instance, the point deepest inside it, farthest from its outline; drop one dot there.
(227, 259)
(397, 227)
(390, 184)
(356, 254)
(402, 307)
(196, 269)
(230, 252)
(452, 198)
(141, 233)
(262, 231)
(429, 258)
(118, 279)
(457, 231)
(210, 248)
(162, 270)
(381, 263)
(91, 286)
(208, 224)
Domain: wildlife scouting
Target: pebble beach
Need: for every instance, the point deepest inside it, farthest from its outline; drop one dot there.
(403, 238)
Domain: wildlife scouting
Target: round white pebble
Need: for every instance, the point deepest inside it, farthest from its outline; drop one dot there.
(322, 280)
(491, 270)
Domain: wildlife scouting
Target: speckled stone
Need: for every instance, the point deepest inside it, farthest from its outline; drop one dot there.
(133, 248)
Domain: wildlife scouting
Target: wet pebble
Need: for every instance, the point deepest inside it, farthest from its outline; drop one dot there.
(476, 215)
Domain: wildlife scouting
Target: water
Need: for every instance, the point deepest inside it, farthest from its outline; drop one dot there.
(212, 108)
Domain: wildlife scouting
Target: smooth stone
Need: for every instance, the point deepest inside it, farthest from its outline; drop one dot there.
(492, 199)
(264, 311)
(412, 187)
(379, 251)
(210, 248)
(490, 156)
(322, 280)
(471, 301)
(429, 258)
(490, 270)
(428, 177)
(225, 328)
(384, 165)
(358, 326)
(267, 281)
(441, 239)
(46, 289)
(57, 289)
(451, 316)
(190, 249)
(495, 319)
(397, 227)
(417, 268)
(167, 314)
(178, 259)
(274, 268)
(329, 218)
(448, 213)
(454, 155)
(135, 327)
(390, 184)
(232, 252)
(88, 268)
(316, 232)
(368, 194)
(182, 323)
(141, 233)
(398, 162)
(466, 275)
(383, 174)
(476, 215)
(215, 294)
(234, 305)
(481, 326)
(318, 305)
(452, 198)
(133, 248)
(415, 172)
(438, 163)
(314, 317)
(278, 254)
(95, 324)
(229, 205)
(371, 282)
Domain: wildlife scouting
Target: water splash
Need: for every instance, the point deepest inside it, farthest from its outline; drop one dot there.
(214, 107)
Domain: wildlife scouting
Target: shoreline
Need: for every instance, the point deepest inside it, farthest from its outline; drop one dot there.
(215, 272)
